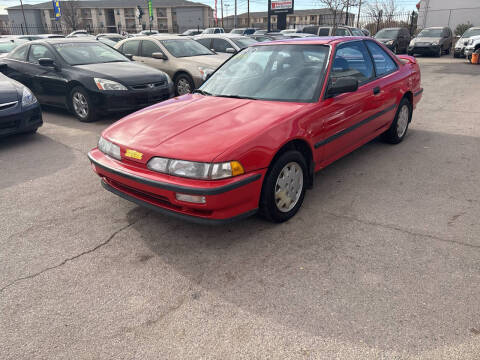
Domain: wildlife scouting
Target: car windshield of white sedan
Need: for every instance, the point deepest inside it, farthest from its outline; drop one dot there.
(471, 32)
(271, 72)
(78, 53)
(185, 48)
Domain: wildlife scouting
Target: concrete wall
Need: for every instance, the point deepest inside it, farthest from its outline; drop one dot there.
(448, 13)
(190, 18)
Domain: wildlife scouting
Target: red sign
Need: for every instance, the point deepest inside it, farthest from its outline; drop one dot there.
(282, 4)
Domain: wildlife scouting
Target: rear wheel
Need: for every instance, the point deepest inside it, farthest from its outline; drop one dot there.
(81, 105)
(397, 131)
(284, 187)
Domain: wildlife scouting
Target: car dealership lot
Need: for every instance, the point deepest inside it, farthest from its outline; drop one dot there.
(381, 261)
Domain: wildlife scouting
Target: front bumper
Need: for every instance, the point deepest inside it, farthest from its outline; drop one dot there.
(227, 200)
(424, 50)
(131, 99)
(459, 51)
(20, 121)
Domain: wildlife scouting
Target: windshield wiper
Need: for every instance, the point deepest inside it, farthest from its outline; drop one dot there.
(202, 92)
(237, 97)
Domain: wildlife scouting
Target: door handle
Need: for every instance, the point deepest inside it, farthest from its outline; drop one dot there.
(376, 91)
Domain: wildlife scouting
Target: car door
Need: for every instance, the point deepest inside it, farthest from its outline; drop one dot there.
(148, 47)
(49, 83)
(345, 116)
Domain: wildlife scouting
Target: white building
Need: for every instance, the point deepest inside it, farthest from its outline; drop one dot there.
(448, 13)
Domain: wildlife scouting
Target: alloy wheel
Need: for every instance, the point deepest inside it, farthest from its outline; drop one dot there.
(288, 187)
(402, 121)
(183, 87)
(80, 104)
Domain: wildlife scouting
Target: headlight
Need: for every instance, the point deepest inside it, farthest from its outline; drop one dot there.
(389, 42)
(470, 42)
(109, 148)
(205, 72)
(104, 84)
(435, 42)
(196, 170)
(27, 97)
(412, 43)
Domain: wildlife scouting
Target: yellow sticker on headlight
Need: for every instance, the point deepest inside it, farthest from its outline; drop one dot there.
(133, 154)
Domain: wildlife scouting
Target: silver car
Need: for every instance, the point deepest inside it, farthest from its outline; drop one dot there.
(225, 44)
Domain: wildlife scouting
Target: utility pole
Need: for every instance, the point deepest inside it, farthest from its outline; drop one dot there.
(24, 19)
(358, 17)
(221, 7)
(226, 14)
(248, 13)
(346, 16)
(235, 18)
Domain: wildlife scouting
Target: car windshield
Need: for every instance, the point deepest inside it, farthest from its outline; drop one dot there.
(8, 45)
(276, 72)
(185, 48)
(357, 32)
(431, 33)
(236, 31)
(471, 32)
(244, 42)
(83, 53)
(386, 34)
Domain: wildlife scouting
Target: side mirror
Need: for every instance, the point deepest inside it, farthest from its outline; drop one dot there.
(46, 62)
(230, 50)
(129, 56)
(159, 55)
(341, 86)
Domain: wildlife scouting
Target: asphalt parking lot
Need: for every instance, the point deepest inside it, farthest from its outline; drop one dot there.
(382, 261)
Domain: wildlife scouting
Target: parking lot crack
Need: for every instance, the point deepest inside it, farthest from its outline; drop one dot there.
(405, 231)
(86, 252)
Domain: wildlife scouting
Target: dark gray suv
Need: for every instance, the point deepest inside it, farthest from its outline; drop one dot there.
(432, 41)
(396, 39)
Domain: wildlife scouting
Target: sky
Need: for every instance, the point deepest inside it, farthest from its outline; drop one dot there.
(228, 5)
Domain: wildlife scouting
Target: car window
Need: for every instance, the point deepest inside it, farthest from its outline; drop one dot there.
(185, 48)
(204, 42)
(384, 64)
(149, 47)
(244, 42)
(310, 30)
(341, 32)
(131, 47)
(324, 32)
(38, 52)
(357, 32)
(221, 45)
(19, 53)
(352, 60)
(79, 53)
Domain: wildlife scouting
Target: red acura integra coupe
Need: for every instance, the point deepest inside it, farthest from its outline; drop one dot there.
(254, 134)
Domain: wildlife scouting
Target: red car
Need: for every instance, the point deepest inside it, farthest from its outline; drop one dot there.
(253, 136)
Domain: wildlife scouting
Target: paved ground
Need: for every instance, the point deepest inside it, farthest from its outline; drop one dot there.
(382, 262)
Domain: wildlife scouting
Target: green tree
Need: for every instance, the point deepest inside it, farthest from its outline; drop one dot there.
(461, 28)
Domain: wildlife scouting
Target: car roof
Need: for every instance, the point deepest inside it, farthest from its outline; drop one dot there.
(222, 35)
(66, 40)
(435, 27)
(392, 28)
(316, 40)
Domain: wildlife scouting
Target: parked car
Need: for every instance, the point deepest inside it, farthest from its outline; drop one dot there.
(8, 44)
(366, 32)
(186, 61)
(263, 38)
(226, 44)
(79, 33)
(297, 35)
(254, 134)
(148, 32)
(215, 30)
(396, 39)
(243, 31)
(463, 41)
(473, 45)
(111, 36)
(432, 41)
(86, 77)
(192, 32)
(328, 30)
(288, 31)
(19, 108)
(260, 32)
(34, 37)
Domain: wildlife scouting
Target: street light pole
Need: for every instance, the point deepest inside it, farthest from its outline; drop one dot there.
(248, 12)
(235, 19)
(24, 19)
(358, 17)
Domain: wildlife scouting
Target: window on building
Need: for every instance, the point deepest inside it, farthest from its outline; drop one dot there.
(161, 12)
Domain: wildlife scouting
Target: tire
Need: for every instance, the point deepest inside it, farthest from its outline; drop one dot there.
(398, 130)
(81, 105)
(274, 206)
(447, 52)
(455, 55)
(439, 53)
(183, 84)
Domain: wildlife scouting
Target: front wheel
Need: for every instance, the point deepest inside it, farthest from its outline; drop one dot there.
(81, 105)
(184, 84)
(284, 187)
(439, 52)
(397, 131)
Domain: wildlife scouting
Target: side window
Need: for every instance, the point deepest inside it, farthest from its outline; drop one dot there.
(131, 47)
(353, 60)
(384, 64)
(324, 32)
(19, 53)
(149, 47)
(341, 32)
(220, 45)
(120, 48)
(38, 52)
(205, 42)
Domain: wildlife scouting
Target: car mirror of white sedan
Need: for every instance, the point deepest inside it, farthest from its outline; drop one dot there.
(159, 56)
(230, 50)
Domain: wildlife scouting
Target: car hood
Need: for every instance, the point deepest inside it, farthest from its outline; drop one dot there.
(195, 127)
(427, 39)
(8, 90)
(129, 73)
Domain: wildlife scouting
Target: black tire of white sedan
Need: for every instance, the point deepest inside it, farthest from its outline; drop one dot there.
(397, 131)
(81, 105)
(183, 84)
(284, 187)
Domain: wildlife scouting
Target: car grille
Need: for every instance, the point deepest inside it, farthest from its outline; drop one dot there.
(149, 85)
(9, 124)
